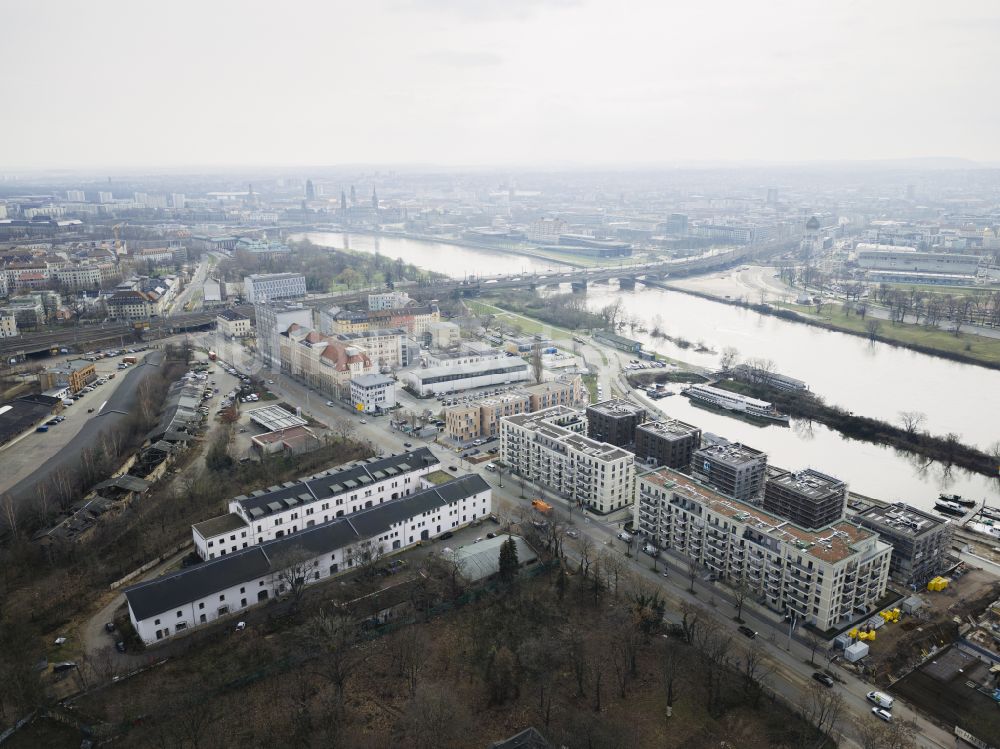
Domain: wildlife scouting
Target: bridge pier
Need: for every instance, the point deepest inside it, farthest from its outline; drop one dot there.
(626, 282)
(580, 287)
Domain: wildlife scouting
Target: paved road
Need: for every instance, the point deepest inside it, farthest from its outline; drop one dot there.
(111, 416)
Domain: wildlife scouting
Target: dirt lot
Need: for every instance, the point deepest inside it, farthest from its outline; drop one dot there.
(899, 646)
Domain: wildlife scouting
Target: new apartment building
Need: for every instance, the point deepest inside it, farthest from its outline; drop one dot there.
(272, 320)
(732, 468)
(171, 604)
(920, 542)
(277, 511)
(267, 287)
(668, 443)
(807, 498)
(614, 421)
(548, 447)
(827, 577)
(388, 300)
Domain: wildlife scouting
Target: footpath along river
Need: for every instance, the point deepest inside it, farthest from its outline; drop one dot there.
(879, 381)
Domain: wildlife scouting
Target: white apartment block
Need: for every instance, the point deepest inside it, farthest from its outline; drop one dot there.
(549, 448)
(478, 372)
(388, 300)
(373, 393)
(828, 577)
(385, 347)
(8, 326)
(79, 276)
(169, 605)
(266, 287)
(296, 505)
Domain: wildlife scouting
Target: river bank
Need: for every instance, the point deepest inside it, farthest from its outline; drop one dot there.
(968, 349)
(805, 405)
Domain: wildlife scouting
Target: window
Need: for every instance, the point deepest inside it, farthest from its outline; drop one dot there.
(156, 621)
(180, 614)
(222, 597)
(201, 605)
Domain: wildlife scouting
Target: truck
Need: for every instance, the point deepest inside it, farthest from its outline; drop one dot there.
(130, 359)
(212, 356)
(541, 505)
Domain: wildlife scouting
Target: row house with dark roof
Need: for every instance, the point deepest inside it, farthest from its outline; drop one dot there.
(171, 604)
(277, 511)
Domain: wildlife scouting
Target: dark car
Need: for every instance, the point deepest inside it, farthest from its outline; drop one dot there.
(824, 679)
(491, 534)
(446, 535)
(109, 627)
(407, 444)
(745, 630)
(90, 410)
(452, 468)
(120, 646)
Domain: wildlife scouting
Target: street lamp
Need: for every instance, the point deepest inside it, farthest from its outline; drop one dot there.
(791, 626)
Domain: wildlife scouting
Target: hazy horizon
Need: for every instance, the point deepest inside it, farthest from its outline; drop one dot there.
(554, 84)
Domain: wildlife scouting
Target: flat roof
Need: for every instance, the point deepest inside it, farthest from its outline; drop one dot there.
(616, 407)
(832, 543)
(730, 453)
(231, 315)
(275, 418)
(669, 428)
(808, 483)
(218, 525)
(901, 519)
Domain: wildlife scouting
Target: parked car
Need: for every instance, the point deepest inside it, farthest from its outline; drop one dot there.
(824, 679)
(491, 534)
(407, 444)
(364, 421)
(573, 533)
(90, 410)
(882, 714)
(446, 535)
(746, 631)
(109, 627)
(623, 536)
(329, 403)
(120, 646)
(452, 468)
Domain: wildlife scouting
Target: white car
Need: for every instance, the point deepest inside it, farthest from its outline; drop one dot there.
(364, 421)
(882, 714)
(329, 403)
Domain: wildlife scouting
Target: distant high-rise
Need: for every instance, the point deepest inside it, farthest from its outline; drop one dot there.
(178, 200)
(343, 201)
(374, 199)
(354, 196)
(140, 198)
(75, 196)
(104, 197)
(310, 190)
(772, 196)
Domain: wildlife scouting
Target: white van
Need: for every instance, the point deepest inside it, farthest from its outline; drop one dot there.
(881, 699)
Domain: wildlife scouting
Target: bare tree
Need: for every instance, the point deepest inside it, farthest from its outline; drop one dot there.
(294, 568)
(409, 650)
(814, 641)
(433, 718)
(741, 591)
(537, 368)
(873, 327)
(672, 666)
(912, 421)
(334, 635)
(692, 572)
(730, 355)
(756, 671)
(823, 710)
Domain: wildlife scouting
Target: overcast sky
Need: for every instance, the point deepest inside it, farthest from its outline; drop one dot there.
(495, 82)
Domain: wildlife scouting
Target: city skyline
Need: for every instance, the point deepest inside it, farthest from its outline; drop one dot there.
(556, 83)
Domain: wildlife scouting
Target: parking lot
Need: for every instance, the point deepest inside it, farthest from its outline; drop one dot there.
(23, 456)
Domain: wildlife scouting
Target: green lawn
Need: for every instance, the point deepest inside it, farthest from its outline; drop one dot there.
(974, 346)
(528, 325)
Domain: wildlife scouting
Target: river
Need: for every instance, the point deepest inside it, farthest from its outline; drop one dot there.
(879, 381)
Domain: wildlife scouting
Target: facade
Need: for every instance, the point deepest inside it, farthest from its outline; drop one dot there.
(481, 419)
(132, 305)
(283, 510)
(415, 319)
(75, 374)
(385, 347)
(322, 362)
(232, 324)
(274, 319)
(548, 448)
(566, 390)
(388, 300)
(479, 372)
(443, 335)
(907, 259)
(266, 287)
(8, 325)
(78, 276)
(732, 468)
(808, 498)
(920, 542)
(165, 606)
(614, 421)
(668, 443)
(829, 577)
(373, 393)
